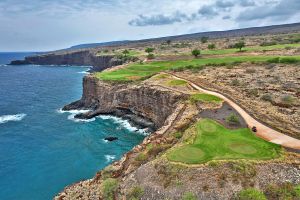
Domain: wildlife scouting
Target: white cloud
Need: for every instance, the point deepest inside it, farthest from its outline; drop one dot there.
(54, 24)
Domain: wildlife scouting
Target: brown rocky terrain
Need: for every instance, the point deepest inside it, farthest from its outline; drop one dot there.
(268, 92)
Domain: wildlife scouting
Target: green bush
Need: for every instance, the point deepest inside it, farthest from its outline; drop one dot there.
(141, 157)
(232, 119)
(240, 45)
(109, 188)
(287, 100)
(150, 56)
(267, 97)
(211, 46)
(149, 50)
(274, 60)
(196, 52)
(282, 191)
(178, 135)
(297, 191)
(251, 194)
(288, 60)
(204, 39)
(135, 193)
(189, 196)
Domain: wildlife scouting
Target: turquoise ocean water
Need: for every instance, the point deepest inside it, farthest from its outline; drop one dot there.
(42, 149)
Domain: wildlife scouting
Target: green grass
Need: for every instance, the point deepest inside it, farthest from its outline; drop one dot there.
(205, 98)
(176, 82)
(137, 71)
(215, 142)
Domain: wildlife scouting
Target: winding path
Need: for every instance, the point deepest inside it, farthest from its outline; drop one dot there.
(263, 131)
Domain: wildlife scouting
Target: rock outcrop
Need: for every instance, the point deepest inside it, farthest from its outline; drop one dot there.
(144, 105)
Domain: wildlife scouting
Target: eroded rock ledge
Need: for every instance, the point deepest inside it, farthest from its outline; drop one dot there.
(144, 105)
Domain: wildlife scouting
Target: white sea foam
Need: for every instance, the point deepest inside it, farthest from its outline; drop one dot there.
(124, 124)
(7, 118)
(84, 72)
(110, 158)
(75, 112)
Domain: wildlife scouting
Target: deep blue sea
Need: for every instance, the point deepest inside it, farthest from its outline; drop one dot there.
(42, 149)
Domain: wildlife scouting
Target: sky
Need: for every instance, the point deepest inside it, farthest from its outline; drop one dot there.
(43, 25)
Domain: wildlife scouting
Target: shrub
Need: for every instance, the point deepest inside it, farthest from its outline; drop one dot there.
(253, 92)
(178, 135)
(109, 188)
(196, 52)
(141, 157)
(297, 191)
(251, 194)
(282, 191)
(211, 46)
(288, 48)
(287, 100)
(240, 45)
(267, 97)
(125, 52)
(189, 196)
(289, 60)
(235, 82)
(264, 44)
(232, 119)
(204, 39)
(149, 50)
(274, 60)
(135, 193)
(105, 51)
(150, 56)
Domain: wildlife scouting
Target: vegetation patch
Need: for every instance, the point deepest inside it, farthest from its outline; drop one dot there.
(202, 97)
(215, 142)
(177, 82)
(109, 188)
(251, 194)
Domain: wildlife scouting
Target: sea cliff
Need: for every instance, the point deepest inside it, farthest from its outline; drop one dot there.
(77, 58)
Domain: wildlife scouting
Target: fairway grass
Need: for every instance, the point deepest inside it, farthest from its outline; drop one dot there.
(213, 141)
(140, 71)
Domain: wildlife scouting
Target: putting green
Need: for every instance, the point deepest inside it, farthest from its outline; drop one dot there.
(243, 148)
(215, 142)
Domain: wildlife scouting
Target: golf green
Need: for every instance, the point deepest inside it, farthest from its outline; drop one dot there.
(215, 142)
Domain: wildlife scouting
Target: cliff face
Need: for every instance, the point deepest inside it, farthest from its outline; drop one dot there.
(77, 58)
(149, 102)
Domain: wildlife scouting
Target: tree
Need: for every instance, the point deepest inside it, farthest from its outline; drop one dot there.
(125, 52)
(149, 50)
(168, 42)
(211, 46)
(240, 45)
(196, 52)
(204, 39)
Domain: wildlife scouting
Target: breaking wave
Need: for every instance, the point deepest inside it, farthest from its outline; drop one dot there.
(7, 118)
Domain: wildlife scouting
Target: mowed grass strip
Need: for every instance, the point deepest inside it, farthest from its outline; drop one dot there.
(215, 142)
(138, 71)
(202, 97)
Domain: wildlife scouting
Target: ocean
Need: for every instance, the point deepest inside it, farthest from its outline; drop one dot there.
(42, 149)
